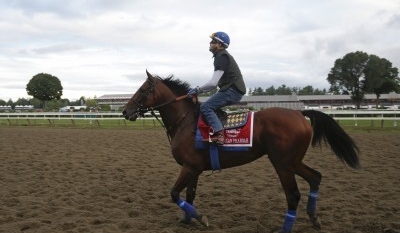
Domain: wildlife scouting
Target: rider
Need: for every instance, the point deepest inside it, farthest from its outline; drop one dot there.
(228, 78)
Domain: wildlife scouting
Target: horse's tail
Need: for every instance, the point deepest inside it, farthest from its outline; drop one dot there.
(327, 129)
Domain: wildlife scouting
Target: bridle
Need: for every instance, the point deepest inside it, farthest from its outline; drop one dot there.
(141, 110)
(144, 94)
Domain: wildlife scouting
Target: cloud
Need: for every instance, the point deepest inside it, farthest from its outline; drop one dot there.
(100, 47)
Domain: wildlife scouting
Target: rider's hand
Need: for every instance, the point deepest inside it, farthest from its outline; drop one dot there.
(194, 91)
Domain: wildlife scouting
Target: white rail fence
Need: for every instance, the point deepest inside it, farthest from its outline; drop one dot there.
(73, 119)
(382, 118)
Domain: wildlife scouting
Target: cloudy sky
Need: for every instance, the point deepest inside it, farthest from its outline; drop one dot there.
(98, 47)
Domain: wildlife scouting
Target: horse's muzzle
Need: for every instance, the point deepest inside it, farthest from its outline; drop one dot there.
(131, 117)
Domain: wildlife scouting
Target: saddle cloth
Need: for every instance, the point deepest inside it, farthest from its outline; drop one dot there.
(238, 129)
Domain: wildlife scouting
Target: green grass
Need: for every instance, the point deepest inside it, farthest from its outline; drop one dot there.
(359, 124)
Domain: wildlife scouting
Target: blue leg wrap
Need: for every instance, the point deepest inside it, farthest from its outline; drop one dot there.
(312, 202)
(186, 216)
(290, 217)
(189, 210)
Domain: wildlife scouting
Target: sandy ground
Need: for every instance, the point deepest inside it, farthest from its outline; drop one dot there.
(105, 180)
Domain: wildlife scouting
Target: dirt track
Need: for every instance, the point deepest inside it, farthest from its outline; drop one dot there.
(103, 180)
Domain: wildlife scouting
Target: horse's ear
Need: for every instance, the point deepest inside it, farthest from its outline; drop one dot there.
(148, 74)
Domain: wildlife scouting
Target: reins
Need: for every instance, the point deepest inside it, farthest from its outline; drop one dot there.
(143, 110)
(140, 110)
(151, 109)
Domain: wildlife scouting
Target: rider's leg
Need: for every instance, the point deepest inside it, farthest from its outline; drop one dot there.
(217, 101)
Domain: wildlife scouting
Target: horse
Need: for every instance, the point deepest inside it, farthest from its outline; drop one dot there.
(284, 135)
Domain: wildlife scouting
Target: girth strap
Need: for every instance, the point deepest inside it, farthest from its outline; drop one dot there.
(214, 157)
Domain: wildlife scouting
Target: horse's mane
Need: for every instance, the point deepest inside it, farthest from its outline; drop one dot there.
(177, 86)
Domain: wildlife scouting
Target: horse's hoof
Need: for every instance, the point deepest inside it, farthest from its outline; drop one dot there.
(316, 222)
(203, 220)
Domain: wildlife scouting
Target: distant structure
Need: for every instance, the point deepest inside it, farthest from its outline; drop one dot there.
(5, 108)
(299, 102)
(17, 108)
(72, 108)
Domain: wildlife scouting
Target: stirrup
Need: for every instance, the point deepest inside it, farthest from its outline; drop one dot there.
(218, 138)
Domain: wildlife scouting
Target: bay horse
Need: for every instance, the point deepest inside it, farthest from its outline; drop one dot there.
(284, 135)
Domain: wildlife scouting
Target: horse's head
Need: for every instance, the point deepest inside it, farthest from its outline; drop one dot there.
(142, 99)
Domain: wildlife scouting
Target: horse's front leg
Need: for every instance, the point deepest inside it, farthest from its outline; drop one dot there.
(187, 179)
(190, 196)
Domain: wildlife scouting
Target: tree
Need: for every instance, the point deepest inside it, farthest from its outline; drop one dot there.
(258, 91)
(283, 90)
(270, 90)
(92, 103)
(359, 73)
(22, 101)
(80, 102)
(307, 90)
(54, 105)
(36, 103)
(44, 87)
(348, 75)
(249, 91)
(381, 77)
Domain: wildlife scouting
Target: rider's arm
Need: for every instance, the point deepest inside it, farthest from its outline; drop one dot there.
(212, 84)
(220, 65)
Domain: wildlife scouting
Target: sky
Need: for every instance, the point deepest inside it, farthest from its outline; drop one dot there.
(98, 47)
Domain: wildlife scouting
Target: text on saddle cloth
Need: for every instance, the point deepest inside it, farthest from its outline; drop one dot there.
(238, 129)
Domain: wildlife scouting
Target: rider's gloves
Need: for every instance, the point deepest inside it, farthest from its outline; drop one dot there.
(194, 91)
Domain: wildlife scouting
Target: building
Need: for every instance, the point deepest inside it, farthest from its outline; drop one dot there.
(392, 100)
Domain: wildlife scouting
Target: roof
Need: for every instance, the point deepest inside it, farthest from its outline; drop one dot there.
(115, 97)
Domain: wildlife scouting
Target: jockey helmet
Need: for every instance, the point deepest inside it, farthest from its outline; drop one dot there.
(221, 37)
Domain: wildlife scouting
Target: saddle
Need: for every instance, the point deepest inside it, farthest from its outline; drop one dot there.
(232, 120)
(238, 129)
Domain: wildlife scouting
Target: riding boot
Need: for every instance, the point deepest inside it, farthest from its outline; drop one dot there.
(218, 137)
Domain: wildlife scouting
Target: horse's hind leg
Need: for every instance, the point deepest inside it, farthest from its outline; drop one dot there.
(313, 178)
(292, 193)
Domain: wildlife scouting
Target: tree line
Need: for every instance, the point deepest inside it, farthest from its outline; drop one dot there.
(284, 90)
(46, 91)
(53, 105)
(356, 74)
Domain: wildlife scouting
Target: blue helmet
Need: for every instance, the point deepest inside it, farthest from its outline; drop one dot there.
(221, 37)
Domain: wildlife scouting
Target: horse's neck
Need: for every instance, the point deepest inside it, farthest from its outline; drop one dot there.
(177, 115)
